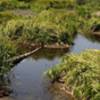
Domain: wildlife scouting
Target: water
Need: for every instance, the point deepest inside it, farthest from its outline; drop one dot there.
(27, 79)
(81, 43)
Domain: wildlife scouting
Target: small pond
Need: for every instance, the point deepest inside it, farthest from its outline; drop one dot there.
(27, 78)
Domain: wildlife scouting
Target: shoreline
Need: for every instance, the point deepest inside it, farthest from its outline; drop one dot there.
(46, 46)
(61, 87)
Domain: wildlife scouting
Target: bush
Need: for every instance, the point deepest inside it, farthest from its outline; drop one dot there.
(12, 4)
(21, 4)
(5, 4)
(7, 50)
(54, 28)
(41, 5)
(80, 74)
(57, 25)
(14, 28)
(6, 16)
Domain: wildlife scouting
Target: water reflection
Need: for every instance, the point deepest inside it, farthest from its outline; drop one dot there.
(49, 54)
(81, 43)
(27, 79)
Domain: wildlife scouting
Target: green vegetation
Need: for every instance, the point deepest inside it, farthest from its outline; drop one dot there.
(80, 73)
(58, 19)
(55, 20)
(51, 22)
(7, 50)
(40, 5)
(12, 4)
(45, 25)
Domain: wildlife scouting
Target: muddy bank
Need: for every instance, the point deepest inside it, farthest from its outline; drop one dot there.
(31, 46)
(62, 89)
(4, 91)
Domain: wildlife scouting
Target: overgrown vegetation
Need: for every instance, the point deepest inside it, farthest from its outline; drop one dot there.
(52, 22)
(58, 19)
(12, 4)
(80, 73)
(7, 50)
(45, 25)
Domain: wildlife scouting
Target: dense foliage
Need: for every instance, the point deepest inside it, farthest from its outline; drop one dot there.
(80, 74)
(55, 19)
(54, 22)
(7, 50)
(12, 4)
(44, 25)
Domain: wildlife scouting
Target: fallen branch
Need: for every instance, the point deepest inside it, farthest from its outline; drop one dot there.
(20, 57)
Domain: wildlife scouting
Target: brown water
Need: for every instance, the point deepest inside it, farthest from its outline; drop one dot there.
(27, 78)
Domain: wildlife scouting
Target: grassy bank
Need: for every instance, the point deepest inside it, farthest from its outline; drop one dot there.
(80, 74)
(44, 25)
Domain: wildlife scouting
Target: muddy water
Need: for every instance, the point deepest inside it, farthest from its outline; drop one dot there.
(27, 79)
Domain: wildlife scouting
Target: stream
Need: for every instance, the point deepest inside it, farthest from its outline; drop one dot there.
(27, 79)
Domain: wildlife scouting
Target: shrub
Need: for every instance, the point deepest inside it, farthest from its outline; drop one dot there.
(80, 74)
(14, 28)
(6, 16)
(40, 5)
(7, 50)
(12, 4)
(57, 25)
(59, 28)
(5, 4)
